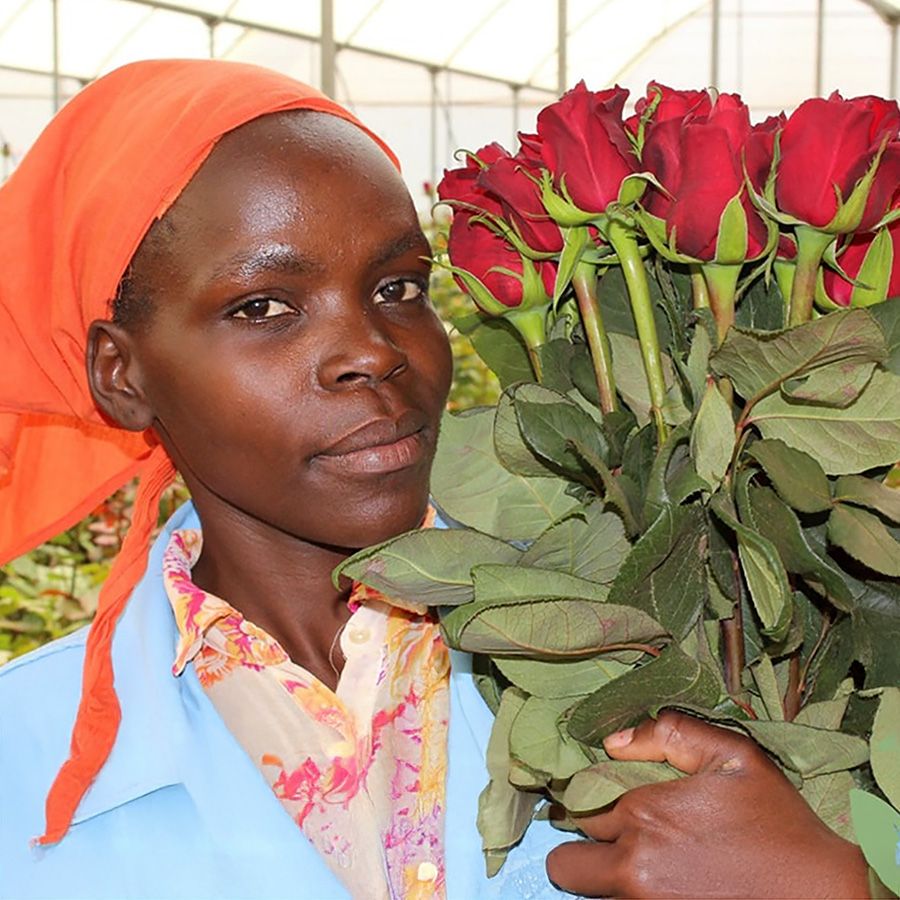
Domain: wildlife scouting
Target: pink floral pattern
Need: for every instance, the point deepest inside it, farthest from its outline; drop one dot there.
(361, 770)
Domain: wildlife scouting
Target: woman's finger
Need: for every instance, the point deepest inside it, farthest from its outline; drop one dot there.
(585, 868)
(685, 742)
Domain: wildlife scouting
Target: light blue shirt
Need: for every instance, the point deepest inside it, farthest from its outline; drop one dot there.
(179, 810)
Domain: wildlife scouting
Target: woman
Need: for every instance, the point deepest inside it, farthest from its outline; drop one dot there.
(236, 259)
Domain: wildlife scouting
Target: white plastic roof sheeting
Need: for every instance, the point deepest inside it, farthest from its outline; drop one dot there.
(432, 77)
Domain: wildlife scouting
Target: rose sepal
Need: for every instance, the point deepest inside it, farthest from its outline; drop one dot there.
(872, 281)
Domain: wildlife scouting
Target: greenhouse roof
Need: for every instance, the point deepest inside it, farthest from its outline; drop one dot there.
(432, 77)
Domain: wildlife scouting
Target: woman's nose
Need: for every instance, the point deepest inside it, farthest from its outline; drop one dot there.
(362, 351)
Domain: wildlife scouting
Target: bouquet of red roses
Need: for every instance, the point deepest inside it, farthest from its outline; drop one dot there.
(689, 492)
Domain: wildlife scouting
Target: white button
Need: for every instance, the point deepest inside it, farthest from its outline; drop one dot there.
(427, 871)
(359, 635)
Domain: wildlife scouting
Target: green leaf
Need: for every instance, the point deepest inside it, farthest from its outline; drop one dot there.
(504, 812)
(763, 673)
(671, 678)
(867, 492)
(549, 627)
(797, 476)
(665, 573)
(764, 572)
(560, 678)
(631, 380)
(860, 436)
(876, 630)
(502, 349)
(537, 740)
(658, 497)
(615, 306)
(505, 584)
(593, 788)
(549, 422)
(829, 798)
(865, 538)
(759, 363)
(887, 315)
(877, 827)
(778, 524)
(510, 446)
(470, 484)
(809, 751)
(697, 364)
(885, 745)
(556, 363)
(712, 437)
(590, 544)
(838, 384)
(429, 568)
(761, 307)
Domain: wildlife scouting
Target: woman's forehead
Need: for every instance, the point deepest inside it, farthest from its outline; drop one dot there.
(300, 184)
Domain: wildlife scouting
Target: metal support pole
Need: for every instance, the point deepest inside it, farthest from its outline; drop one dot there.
(714, 44)
(327, 48)
(211, 28)
(56, 91)
(894, 88)
(820, 41)
(515, 111)
(433, 173)
(562, 49)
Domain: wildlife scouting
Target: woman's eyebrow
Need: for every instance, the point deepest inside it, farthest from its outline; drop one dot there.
(397, 247)
(278, 258)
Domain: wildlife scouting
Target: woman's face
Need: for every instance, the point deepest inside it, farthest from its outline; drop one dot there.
(293, 365)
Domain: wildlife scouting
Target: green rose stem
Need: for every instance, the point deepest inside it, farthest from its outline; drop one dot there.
(699, 291)
(623, 241)
(811, 246)
(585, 283)
(530, 325)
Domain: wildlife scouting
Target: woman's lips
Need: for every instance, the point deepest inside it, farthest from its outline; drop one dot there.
(378, 447)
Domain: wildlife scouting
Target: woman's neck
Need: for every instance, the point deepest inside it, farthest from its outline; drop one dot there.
(281, 584)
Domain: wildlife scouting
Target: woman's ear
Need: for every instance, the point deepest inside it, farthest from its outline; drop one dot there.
(114, 376)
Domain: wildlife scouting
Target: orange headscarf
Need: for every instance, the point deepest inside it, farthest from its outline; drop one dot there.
(71, 217)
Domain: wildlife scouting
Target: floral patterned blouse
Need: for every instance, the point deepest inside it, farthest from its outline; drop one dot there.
(361, 770)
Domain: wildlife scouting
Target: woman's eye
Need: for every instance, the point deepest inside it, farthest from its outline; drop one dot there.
(263, 308)
(403, 291)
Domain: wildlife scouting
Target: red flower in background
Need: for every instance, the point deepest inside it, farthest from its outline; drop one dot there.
(826, 147)
(585, 146)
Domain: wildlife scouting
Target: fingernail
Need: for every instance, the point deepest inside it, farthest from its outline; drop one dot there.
(620, 738)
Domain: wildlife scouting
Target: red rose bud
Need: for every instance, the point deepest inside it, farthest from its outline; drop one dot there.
(662, 103)
(585, 147)
(873, 262)
(461, 185)
(496, 276)
(698, 160)
(514, 182)
(830, 174)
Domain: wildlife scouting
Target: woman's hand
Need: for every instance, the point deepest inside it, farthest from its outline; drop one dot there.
(735, 828)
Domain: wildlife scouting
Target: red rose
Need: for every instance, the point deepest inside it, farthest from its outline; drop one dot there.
(461, 184)
(585, 146)
(477, 249)
(508, 180)
(842, 293)
(672, 104)
(698, 159)
(827, 146)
